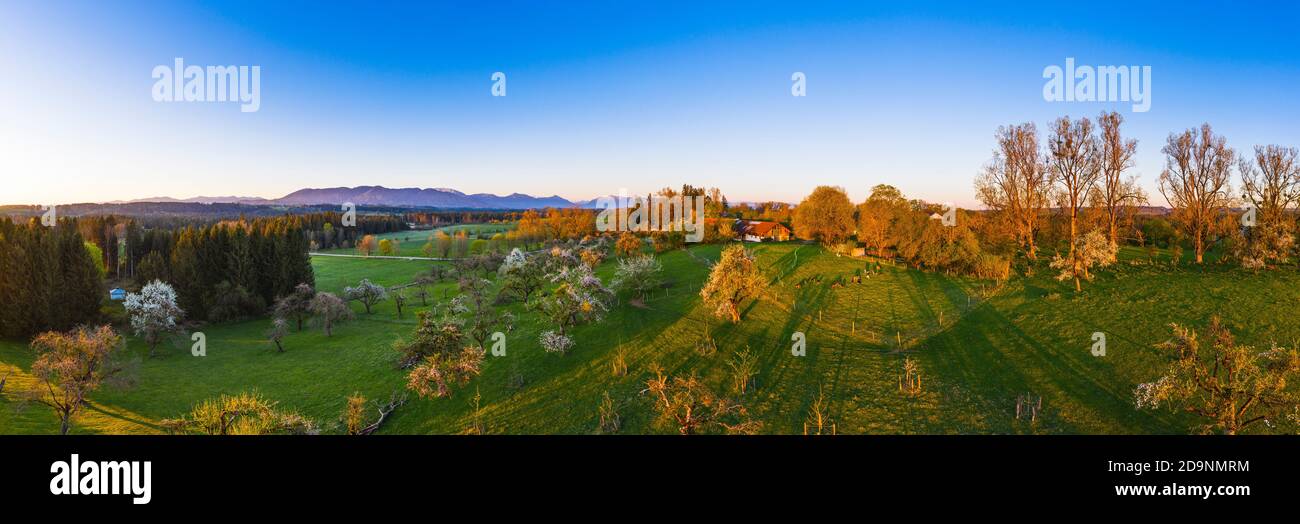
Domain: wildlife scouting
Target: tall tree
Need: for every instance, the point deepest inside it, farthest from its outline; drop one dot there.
(826, 216)
(1271, 185)
(1075, 166)
(1195, 181)
(878, 214)
(1016, 183)
(1271, 181)
(1117, 194)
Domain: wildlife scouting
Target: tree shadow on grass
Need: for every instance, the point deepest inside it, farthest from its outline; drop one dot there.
(990, 356)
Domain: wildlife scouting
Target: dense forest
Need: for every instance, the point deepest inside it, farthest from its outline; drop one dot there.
(48, 277)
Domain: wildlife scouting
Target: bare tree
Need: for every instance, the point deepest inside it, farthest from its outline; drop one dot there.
(329, 310)
(1271, 183)
(279, 328)
(691, 407)
(1075, 167)
(1195, 181)
(1015, 183)
(1117, 194)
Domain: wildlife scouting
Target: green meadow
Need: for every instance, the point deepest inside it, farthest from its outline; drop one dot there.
(978, 347)
(411, 242)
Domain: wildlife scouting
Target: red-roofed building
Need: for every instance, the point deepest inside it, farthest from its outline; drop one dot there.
(752, 230)
(763, 231)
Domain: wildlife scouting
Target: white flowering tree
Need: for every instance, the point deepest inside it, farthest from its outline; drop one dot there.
(520, 275)
(553, 342)
(1091, 250)
(637, 275)
(579, 298)
(1228, 385)
(367, 293)
(153, 312)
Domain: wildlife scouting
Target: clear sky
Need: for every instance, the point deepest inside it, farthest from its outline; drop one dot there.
(604, 95)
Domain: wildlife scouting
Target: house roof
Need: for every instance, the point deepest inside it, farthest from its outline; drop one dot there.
(761, 228)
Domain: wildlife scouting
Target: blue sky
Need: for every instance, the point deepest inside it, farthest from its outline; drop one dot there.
(604, 95)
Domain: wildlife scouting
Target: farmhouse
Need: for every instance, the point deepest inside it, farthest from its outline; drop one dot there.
(763, 231)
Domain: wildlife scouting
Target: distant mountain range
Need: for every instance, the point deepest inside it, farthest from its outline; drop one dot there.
(384, 196)
(198, 200)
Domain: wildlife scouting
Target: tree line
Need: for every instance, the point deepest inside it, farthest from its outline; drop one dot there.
(1080, 174)
(1071, 191)
(231, 269)
(49, 278)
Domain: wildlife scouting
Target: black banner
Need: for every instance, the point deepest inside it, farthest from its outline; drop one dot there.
(1097, 472)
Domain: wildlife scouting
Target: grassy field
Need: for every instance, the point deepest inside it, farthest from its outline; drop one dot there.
(411, 241)
(977, 351)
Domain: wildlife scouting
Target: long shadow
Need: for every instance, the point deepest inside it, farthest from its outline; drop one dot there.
(990, 354)
(141, 422)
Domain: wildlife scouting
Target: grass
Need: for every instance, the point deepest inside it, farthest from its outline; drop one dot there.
(976, 354)
(410, 242)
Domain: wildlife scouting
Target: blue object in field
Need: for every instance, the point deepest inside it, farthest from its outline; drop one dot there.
(117, 294)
